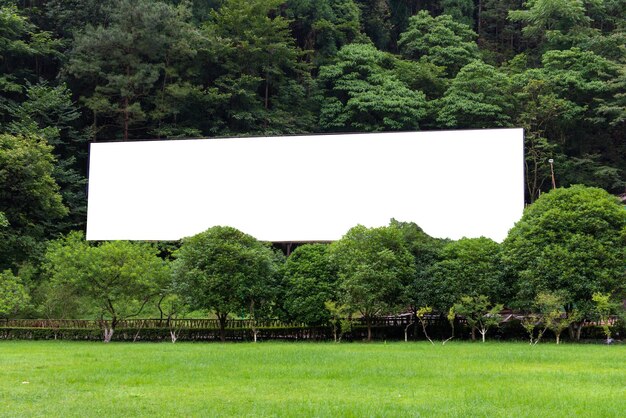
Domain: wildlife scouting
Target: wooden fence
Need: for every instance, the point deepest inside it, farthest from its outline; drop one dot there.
(200, 323)
(202, 329)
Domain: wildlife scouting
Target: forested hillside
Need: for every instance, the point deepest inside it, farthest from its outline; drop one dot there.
(79, 71)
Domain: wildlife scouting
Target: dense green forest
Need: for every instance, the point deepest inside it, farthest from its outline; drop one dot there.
(73, 72)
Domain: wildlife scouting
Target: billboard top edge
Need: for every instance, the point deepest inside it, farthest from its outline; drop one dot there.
(307, 135)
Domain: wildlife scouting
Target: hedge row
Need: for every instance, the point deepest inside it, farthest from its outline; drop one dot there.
(507, 331)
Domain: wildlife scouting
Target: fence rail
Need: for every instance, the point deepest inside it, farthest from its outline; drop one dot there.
(192, 323)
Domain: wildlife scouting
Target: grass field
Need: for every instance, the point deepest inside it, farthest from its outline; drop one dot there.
(308, 379)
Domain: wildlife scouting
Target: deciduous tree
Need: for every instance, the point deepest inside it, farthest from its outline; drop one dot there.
(226, 271)
(467, 267)
(478, 97)
(29, 197)
(479, 313)
(116, 278)
(362, 92)
(13, 295)
(373, 267)
(572, 240)
(309, 283)
(439, 40)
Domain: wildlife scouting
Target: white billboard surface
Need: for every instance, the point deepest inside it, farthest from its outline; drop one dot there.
(308, 188)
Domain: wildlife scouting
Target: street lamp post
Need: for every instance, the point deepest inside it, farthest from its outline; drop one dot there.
(551, 161)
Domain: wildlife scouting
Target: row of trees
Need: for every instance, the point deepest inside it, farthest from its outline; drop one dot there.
(561, 264)
(74, 72)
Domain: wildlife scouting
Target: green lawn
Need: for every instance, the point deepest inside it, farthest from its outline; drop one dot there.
(309, 379)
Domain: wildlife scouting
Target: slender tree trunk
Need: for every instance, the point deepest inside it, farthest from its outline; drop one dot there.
(369, 328)
(253, 322)
(267, 90)
(480, 17)
(126, 118)
(126, 103)
(406, 330)
(222, 319)
(138, 331)
(423, 322)
(95, 126)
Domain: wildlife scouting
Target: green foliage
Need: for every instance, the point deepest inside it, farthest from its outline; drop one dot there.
(322, 27)
(544, 16)
(339, 318)
(66, 17)
(13, 295)
(376, 21)
(551, 307)
(116, 279)
(50, 112)
(29, 196)
(309, 283)
(23, 50)
(118, 69)
(127, 66)
(467, 267)
(478, 97)
(568, 240)
(426, 251)
(262, 82)
(604, 307)
(439, 40)
(226, 271)
(499, 37)
(479, 313)
(363, 92)
(461, 10)
(373, 267)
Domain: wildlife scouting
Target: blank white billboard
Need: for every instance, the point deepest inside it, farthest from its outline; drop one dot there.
(308, 188)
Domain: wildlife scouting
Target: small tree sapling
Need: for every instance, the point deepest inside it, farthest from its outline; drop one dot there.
(479, 313)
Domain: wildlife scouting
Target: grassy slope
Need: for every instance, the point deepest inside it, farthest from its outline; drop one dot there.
(281, 379)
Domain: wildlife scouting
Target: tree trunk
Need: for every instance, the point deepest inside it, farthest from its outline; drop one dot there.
(108, 334)
(138, 331)
(126, 119)
(108, 330)
(222, 319)
(480, 18)
(267, 90)
(95, 126)
(253, 321)
(473, 334)
(369, 328)
(575, 329)
(558, 337)
(406, 331)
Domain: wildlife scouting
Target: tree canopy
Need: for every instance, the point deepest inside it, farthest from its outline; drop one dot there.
(571, 239)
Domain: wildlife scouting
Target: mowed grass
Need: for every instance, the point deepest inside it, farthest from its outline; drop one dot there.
(311, 379)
